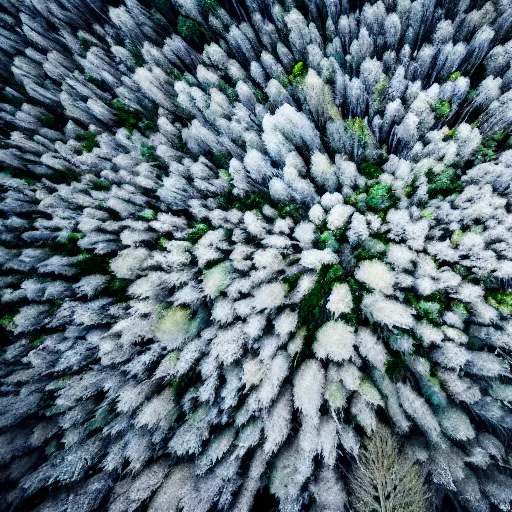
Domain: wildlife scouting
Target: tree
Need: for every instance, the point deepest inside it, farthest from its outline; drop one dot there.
(385, 480)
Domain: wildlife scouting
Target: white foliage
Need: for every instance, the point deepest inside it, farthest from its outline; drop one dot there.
(335, 341)
(376, 275)
(340, 299)
(308, 389)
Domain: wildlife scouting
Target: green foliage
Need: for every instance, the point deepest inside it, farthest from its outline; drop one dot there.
(189, 29)
(455, 76)
(299, 72)
(373, 248)
(199, 230)
(451, 134)
(221, 159)
(294, 211)
(88, 140)
(381, 197)
(74, 237)
(69, 244)
(370, 170)
(396, 368)
(148, 152)
(101, 185)
(430, 308)
(101, 84)
(379, 92)
(161, 242)
(461, 308)
(442, 108)
(261, 96)
(125, 115)
(486, 151)
(291, 282)
(328, 241)
(85, 44)
(136, 54)
(228, 91)
(444, 184)
(427, 213)
(55, 304)
(182, 146)
(501, 300)
(148, 214)
(148, 126)
(312, 310)
(456, 237)
(472, 93)
(489, 148)
(431, 389)
(409, 190)
(248, 203)
(175, 75)
(118, 285)
(37, 341)
(209, 6)
(431, 311)
(88, 263)
(225, 175)
(7, 322)
(358, 127)
(361, 254)
(101, 418)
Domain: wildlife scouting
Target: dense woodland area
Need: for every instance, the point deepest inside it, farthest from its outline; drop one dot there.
(255, 255)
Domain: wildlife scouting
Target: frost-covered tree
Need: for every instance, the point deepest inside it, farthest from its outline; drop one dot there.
(236, 238)
(386, 479)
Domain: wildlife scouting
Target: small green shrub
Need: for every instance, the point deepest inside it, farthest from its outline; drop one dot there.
(88, 140)
(441, 109)
(198, 231)
(444, 184)
(299, 72)
(381, 197)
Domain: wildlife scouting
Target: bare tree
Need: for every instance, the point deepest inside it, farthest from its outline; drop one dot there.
(384, 480)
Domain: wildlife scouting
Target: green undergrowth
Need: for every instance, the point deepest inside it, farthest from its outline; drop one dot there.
(132, 120)
(444, 184)
(396, 367)
(88, 140)
(491, 146)
(198, 231)
(441, 109)
(501, 300)
(370, 170)
(312, 309)
(256, 201)
(430, 308)
(358, 127)
(381, 198)
(299, 72)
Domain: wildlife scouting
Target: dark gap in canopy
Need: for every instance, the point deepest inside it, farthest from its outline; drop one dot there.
(264, 501)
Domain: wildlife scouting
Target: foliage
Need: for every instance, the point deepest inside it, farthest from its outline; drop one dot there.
(88, 140)
(299, 72)
(381, 197)
(442, 109)
(189, 29)
(445, 184)
(386, 479)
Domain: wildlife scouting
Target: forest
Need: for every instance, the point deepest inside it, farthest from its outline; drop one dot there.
(256, 255)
